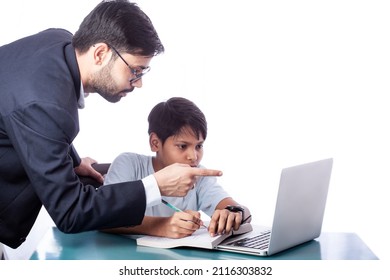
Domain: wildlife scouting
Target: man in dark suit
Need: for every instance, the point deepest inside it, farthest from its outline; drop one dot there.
(43, 81)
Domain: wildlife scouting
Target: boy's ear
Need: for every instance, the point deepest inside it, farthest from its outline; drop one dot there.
(154, 142)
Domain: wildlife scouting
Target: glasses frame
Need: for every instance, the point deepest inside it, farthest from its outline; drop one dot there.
(138, 75)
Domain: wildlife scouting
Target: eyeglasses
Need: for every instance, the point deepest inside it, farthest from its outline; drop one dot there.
(137, 72)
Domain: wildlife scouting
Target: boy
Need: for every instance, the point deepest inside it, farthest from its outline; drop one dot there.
(177, 131)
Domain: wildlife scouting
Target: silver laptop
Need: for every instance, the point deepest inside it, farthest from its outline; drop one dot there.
(299, 212)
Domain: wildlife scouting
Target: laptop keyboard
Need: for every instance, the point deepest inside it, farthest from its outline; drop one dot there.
(260, 241)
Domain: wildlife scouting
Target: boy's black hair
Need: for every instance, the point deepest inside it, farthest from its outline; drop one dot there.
(170, 117)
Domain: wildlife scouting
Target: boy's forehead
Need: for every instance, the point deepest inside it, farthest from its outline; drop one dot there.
(187, 133)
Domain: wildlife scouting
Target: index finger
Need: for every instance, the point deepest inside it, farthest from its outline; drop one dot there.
(206, 172)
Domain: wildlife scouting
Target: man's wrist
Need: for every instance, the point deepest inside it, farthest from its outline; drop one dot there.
(152, 191)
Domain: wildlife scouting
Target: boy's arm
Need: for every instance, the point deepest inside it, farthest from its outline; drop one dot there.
(150, 226)
(176, 226)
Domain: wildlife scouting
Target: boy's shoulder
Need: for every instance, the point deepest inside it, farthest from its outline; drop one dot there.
(132, 156)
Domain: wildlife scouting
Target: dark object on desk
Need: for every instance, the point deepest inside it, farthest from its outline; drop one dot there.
(102, 168)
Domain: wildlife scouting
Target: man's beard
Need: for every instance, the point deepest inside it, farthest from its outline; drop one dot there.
(103, 84)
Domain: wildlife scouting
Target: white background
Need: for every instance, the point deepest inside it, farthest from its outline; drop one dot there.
(281, 83)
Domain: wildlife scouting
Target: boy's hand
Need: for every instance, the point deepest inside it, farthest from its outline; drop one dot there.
(182, 224)
(224, 221)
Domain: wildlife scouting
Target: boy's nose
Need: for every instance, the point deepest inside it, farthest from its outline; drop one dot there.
(192, 156)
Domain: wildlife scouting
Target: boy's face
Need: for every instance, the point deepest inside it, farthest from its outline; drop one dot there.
(184, 147)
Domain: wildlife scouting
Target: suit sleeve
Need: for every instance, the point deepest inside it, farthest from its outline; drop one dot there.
(41, 135)
(75, 156)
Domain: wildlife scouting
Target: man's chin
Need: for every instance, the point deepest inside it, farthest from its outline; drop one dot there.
(112, 99)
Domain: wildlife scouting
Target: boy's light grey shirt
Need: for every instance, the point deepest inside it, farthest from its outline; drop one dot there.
(204, 197)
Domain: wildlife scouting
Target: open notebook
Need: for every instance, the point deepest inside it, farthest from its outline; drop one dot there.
(199, 239)
(298, 214)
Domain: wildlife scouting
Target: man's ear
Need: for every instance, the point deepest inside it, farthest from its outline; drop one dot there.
(154, 142)
(101, 54)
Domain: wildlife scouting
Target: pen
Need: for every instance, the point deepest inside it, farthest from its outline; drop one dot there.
(171, 206)
(174, 207)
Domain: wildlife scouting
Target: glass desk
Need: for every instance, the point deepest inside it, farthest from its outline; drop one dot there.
(95, 245)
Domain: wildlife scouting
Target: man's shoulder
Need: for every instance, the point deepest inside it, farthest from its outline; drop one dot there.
(57, 31)
(55, 34)
(46, 38)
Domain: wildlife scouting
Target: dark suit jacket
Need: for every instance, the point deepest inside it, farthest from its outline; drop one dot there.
(39, 91)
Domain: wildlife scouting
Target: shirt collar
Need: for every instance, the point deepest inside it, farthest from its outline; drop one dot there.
(81, 101)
